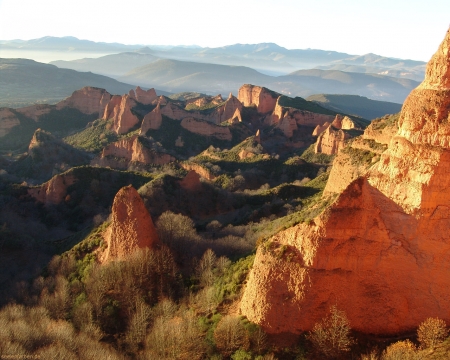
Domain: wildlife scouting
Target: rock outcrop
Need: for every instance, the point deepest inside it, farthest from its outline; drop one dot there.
(8, 120)
(206, 129)
(54, 191)
(119, 109)
(131, 226)
(88, 100)
(199, 169)
(380, 251)
(151, 121)
(121, 153)
(142, 96)
(330, 141)
(264, 99)
(191, 181)
(319, 129)
(333, 138)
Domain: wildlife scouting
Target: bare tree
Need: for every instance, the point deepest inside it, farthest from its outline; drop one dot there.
(230, 335)
(331, 336)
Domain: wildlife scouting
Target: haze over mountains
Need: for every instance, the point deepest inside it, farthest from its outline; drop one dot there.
(208, 70)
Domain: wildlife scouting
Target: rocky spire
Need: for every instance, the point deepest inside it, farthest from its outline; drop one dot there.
(437, 75)
(131, 225)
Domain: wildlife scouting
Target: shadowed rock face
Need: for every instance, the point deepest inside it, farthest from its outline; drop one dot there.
(381, 251)
(131, 226)
(152, 120)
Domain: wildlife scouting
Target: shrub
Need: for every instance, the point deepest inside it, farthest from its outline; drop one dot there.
(432, 332)
(331, 336)
(401, 350)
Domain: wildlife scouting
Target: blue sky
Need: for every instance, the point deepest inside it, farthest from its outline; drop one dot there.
(405, 29)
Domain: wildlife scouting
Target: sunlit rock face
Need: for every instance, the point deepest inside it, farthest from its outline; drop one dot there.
(381, 251)
(131, 226)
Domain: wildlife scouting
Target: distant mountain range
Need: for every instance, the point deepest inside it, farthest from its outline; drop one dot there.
(24, 82)
(225, 69)
(268, 58)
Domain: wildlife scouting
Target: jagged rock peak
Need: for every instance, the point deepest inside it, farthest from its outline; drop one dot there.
(131, 225)
(437, 75)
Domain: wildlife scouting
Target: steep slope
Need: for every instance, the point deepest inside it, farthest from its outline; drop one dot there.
(380, 251)
(24, 82)
(356, 105)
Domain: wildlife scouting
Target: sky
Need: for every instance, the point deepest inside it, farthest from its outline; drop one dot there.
(410, 29)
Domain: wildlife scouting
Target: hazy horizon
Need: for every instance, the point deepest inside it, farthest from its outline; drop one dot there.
(404, 30)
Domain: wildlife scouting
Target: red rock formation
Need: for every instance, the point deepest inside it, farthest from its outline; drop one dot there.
(228, 111)
(191, 181)
(7, 121)
(206, 129)
(199, 169)
(287, 125)
(131, 226)
(53, 191)
(330, 141)
(264, 99)
(142, 96)
(152, 120)
(381, 131)
(319, 129)
(380, 252)
(119, 109)
(119, 154)
(88, 100)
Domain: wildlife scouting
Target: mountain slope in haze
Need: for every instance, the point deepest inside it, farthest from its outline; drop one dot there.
(356, 105)
(24, 82)
(66, 43)
(113, 65)
(176, 76)
(377, 87)
(416, 74)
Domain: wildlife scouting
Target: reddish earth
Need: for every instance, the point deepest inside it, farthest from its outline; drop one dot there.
(380, 251)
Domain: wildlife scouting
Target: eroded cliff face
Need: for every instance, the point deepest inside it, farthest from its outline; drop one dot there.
(88, 100)
(144, 97)
(119, 109)
(264, 99)
(331, 139)
(380, 251)
(206, 129)
(121, 153)
(54, 191)
(131, 226)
